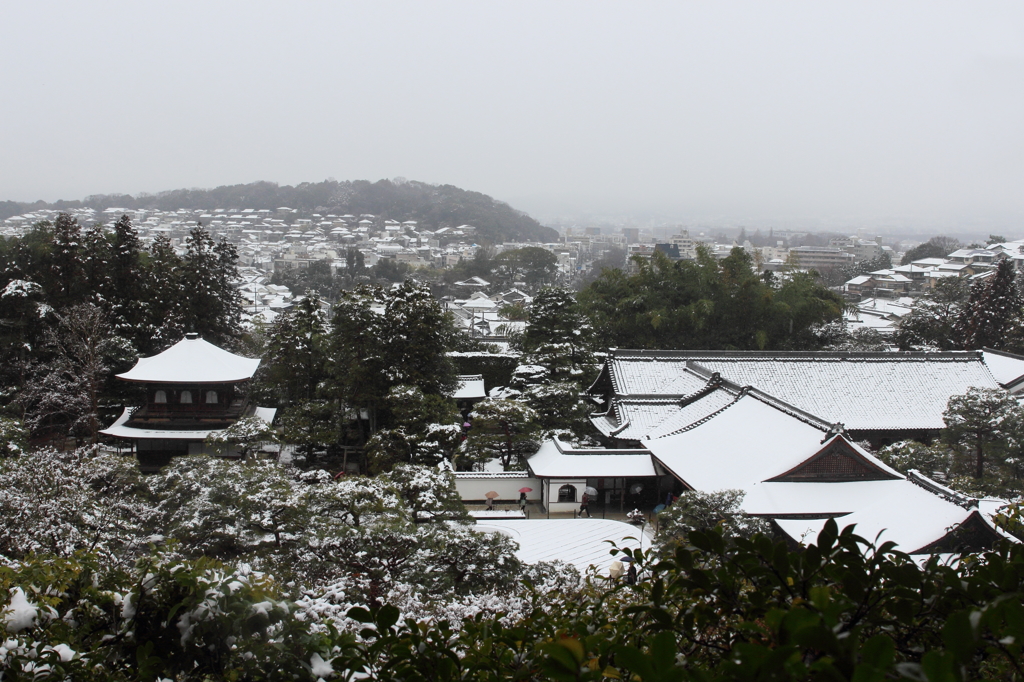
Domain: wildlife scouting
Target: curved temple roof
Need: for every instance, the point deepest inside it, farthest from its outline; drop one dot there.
(192, 361)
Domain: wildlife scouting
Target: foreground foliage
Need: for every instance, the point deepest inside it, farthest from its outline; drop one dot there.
(716, 609)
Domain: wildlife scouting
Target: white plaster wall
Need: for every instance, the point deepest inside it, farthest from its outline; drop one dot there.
(508, 488)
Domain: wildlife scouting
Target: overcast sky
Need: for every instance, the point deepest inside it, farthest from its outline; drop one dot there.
(761, 109)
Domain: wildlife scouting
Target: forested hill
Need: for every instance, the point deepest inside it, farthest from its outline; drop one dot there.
(432, 206)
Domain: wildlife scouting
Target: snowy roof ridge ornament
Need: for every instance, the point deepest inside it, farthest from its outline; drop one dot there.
(837, 429)
(192, 361)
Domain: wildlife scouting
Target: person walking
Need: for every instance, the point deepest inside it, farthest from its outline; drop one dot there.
(490, 504)
(631, 574)
(584, 504)
(522, 502)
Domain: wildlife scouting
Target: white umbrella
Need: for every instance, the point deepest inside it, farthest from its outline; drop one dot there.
(590, 490)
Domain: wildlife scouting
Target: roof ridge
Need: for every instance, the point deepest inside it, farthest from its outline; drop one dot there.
(644, 354)
(705, 418)
(793, 411)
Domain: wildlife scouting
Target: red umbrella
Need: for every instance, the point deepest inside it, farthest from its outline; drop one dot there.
(526, 490)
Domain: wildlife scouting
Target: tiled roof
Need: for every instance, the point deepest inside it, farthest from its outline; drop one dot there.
(640, 418)
(863, 391)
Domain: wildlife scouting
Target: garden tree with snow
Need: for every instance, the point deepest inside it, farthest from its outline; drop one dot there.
(63, 395)
(13, 437)
(502, 429)
(166, 313)
(353, 540)
(424, 429)
(383, 338)
(22, 325)
(935, 460)
(992, 316)
(932, 322)
(246, 436)
(223, 509)
(428, 492)
(978, 421)
(310, 425)
(707, 304)
(63, 503)
(696, 510)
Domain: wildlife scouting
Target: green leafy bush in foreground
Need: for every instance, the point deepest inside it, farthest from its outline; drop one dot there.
(717, 609)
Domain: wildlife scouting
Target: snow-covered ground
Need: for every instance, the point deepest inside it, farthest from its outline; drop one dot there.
(581, 542)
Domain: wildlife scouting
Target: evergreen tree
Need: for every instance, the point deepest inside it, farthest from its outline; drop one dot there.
(212, 305)
(164, 297)
(506, 430)
(388, 337)
(125, 275)
(933, 320)
(64, 284)
(296, 355)
(978, 418)
(95, 256)
(559, 336)
(708, 304)
(993, 311)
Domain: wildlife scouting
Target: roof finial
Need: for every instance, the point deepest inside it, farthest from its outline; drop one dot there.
(191, 336)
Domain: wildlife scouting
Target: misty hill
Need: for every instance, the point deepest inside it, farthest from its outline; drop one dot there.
(432, 206)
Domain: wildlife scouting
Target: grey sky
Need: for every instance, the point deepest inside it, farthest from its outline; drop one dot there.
(755, 109)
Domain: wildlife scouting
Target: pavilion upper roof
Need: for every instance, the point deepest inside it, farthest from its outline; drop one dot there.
(192, 361)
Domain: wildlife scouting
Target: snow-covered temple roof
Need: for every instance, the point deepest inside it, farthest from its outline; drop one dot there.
(192, 361)
(555, 460)
(470, 386)
(1007, 368)
(119, 428)
(863, 391)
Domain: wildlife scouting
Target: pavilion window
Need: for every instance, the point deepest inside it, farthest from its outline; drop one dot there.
(186, 397)
(211, 397)
(160, 397)
(567, 493)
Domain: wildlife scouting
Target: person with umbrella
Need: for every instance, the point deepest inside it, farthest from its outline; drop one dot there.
(522, 498)
(490, 499)
(584, 503)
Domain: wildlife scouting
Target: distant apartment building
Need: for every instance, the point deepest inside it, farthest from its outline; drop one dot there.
(862, 249)
(820, 257)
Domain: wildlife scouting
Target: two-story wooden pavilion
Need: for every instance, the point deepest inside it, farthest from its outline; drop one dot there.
(192, 390)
